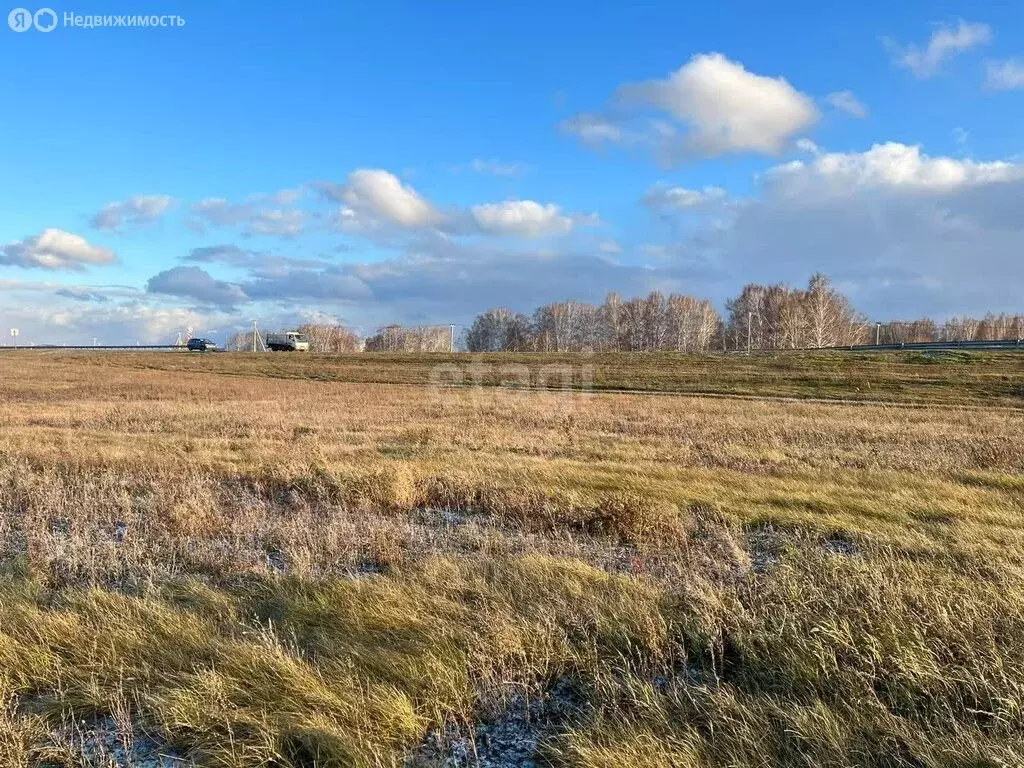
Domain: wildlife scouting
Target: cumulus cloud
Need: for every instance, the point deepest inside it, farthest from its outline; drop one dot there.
(524, 218)
(256, 215)
(664, 197)
(55, 249)
(371, 196)
(909, 233)
(884, 167)
(287, 223)
(196, 284)
(710, 106)
(376, 204)
(847, 101)
(267, 278)
(136, 210)
(945, 43)
(1005, 75)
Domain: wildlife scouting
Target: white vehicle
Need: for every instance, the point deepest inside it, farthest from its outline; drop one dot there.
(292, 341)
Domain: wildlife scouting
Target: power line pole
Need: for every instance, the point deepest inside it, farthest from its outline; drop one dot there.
(878, 331)
(255, 333)
(451, 346)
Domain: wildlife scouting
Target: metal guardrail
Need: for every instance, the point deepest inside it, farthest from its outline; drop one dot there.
(938, 346)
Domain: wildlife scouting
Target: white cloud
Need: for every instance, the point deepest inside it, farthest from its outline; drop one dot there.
(664, 197)
(884, 166)
(906, 233)
(380, 196)
(945, 43)
(524, 218)
(911, 234)
(497, 167)
(1006, 75)
(376, 204)
(708, 107)
(808, 146)
(593, 130)
(727, 108)
(256, 215)
(138, 209)
(847, 101)
(55, 249)
(276, 221)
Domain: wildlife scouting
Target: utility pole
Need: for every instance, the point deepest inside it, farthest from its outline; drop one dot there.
(878, 331)
(255, 333)
(451, 345)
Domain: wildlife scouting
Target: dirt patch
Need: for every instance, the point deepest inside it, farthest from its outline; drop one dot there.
(507, 734)
(107, 743)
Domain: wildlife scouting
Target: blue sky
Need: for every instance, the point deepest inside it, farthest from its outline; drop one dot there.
(419, 162)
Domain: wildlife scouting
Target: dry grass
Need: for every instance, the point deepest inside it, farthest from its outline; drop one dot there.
(256, 567)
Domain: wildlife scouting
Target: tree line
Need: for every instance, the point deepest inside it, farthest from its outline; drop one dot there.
(761, 317)
(640, 324)
(337, 339)
(775, 316)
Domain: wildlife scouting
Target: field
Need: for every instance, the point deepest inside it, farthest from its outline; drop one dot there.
(728, 561)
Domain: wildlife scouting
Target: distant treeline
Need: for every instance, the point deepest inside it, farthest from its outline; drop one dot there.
(760, 317)
(337, 339)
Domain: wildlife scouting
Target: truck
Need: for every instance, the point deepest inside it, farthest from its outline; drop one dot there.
(290, 341)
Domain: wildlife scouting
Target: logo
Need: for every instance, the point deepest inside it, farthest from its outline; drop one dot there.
(45, 19)
(22, 19)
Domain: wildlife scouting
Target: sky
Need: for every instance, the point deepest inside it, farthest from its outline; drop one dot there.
(420, 163)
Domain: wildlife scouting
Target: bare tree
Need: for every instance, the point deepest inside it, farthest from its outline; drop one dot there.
(240, 342)
(333, 339)
(779, 317)
(907, 331)
(500, 330)
(691, 322)
(398, 338)
(565, 326)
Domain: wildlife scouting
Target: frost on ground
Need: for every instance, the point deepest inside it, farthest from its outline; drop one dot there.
(508, 736)
(108, 743)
